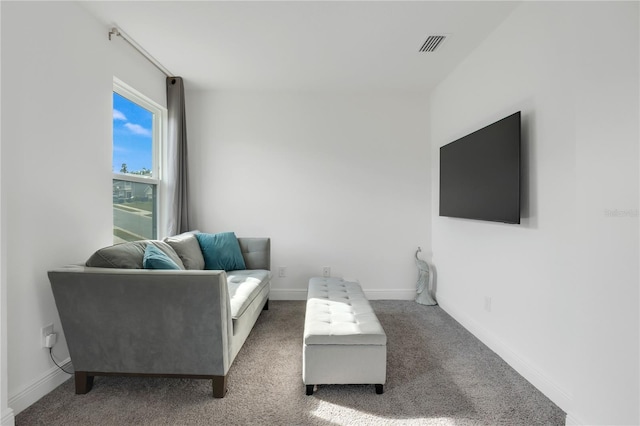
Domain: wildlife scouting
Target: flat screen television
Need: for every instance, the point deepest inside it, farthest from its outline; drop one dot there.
(480, 173)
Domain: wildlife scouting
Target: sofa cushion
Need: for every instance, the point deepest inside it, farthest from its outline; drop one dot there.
(154, 258)
(129, 255)
(188, 249)
(256, 252)
(221, 251)
(244, 286)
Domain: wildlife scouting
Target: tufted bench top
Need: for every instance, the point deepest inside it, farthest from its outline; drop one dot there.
(338, 313)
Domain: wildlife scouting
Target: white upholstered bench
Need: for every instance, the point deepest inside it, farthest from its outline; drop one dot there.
(344, 342)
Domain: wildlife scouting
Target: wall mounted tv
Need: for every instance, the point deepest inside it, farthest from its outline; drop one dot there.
(480, 173)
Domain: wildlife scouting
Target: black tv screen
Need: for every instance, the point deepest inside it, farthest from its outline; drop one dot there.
(480, 173)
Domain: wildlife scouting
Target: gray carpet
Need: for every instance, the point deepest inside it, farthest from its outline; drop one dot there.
(437, 374)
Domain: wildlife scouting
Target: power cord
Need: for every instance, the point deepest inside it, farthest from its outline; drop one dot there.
(54, 361)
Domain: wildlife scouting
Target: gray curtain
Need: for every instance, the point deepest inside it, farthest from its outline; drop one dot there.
(177, 171)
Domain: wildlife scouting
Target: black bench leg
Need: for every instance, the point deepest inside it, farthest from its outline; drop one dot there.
(309, 389)
(266, 306)
(379, 389)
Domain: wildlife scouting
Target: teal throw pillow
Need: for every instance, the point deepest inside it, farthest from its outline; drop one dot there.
(154, 258)
(221, 251)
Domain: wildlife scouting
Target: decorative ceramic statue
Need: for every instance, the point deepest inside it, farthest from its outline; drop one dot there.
(425, 281)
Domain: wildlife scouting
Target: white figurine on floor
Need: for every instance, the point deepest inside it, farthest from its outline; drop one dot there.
(425, 281)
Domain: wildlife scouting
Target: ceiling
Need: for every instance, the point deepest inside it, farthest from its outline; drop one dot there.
(304, 45)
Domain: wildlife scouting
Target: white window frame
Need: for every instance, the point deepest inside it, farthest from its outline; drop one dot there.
(159, 138)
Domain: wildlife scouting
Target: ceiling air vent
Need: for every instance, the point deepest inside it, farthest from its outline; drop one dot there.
(432, 43)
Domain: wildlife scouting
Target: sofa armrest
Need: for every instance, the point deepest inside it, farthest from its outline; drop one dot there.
(256, 252)
(145, 321)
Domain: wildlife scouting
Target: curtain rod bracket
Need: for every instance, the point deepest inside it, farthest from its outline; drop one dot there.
(114, 31)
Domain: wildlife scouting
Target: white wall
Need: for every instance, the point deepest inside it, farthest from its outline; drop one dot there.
(335, 179)
(6, 414)
(57, 73)
(607, 168)
(564, 283)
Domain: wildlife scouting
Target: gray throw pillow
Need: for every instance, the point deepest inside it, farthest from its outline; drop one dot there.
(129, 255)
(188, 249)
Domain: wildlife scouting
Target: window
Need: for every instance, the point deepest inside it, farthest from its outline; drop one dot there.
(137, 141)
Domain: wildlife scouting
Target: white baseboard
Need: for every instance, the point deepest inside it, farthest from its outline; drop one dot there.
(38, 388)
(301, 294)
(287, 294)
(8, 419)
(530, 372)
(572, 420)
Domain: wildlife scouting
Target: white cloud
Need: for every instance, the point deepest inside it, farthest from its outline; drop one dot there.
(137, 129)
(117, 115)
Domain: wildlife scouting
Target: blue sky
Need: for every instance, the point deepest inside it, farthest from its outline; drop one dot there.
(132, 140)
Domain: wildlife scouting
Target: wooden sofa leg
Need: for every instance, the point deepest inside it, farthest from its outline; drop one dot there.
(84, 382)
(219, 386)
(266, 306)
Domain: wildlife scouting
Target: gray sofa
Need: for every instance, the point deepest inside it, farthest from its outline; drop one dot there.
(120, 319)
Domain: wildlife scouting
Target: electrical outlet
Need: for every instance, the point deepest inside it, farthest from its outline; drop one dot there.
(326, 271)
(44, 332)
(282, 271)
